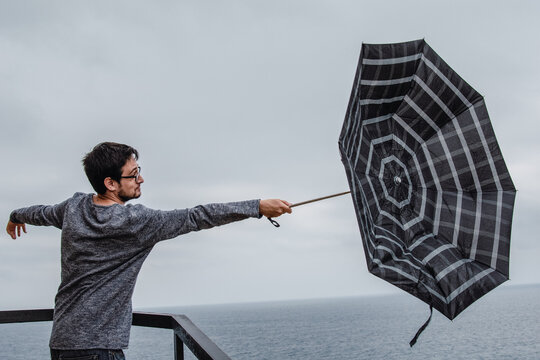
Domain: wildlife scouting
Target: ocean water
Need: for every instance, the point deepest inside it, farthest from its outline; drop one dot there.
(505, 324)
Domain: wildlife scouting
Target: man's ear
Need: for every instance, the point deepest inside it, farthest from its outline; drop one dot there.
(110, 184)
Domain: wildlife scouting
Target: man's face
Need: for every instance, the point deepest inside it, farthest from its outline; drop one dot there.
(130, 188)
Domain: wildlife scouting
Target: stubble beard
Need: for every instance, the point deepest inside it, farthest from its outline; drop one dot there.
(126, 198)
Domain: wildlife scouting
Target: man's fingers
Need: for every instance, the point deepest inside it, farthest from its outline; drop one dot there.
(14, 230)
(19, 227)
(284, 207)
(274, 207)
(288, 206)
(10, 230)
(281, 207)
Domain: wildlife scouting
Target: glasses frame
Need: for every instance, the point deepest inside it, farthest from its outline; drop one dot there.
(136, 177)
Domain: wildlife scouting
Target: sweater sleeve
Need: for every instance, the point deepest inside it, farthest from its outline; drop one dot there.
(157, 225)
(41, 215)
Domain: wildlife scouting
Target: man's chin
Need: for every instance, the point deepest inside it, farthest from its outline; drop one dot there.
(127, 198)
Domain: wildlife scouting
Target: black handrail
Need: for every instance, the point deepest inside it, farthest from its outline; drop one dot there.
(185, 332)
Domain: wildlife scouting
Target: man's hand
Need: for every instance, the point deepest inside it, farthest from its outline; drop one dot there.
(274, 207)
(14, 229)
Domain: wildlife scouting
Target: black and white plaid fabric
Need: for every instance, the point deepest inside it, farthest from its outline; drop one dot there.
(432, 194)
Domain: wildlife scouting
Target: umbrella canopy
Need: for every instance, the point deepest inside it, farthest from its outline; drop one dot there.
(432, 194)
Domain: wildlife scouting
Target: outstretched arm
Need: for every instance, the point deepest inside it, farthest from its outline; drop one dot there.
(14, 229)
(42, 215)
(152, 226)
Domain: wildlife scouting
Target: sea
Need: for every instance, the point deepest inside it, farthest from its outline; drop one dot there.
(504, 324)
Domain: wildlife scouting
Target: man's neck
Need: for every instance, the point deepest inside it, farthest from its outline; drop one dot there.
(107, 199)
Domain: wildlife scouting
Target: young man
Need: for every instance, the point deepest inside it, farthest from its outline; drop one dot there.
(104, 244)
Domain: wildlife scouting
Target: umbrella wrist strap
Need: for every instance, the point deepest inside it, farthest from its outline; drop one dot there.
(413, 341)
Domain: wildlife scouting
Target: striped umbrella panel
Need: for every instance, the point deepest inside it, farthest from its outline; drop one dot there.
(432, 193)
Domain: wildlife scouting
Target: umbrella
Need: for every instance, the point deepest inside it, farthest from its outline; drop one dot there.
(432, 194)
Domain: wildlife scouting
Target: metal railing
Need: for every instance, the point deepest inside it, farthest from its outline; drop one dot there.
(185, 332)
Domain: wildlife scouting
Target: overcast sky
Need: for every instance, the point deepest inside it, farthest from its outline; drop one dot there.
(232, 100)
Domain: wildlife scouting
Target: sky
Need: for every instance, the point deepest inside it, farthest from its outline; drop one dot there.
(234, 100)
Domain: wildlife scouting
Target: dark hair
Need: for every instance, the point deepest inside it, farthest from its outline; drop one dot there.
(106, 160)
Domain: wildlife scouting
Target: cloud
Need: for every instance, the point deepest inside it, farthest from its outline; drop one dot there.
(228, 101)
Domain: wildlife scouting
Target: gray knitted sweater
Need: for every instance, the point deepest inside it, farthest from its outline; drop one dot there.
(103, 249)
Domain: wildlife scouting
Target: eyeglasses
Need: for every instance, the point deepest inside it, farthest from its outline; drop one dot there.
(136, 176)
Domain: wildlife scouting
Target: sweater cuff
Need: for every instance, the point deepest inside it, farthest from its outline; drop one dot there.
(13, 218)
(259, 215)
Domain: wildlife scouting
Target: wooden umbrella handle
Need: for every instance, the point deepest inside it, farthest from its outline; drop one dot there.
(276, 224)
(321, 198)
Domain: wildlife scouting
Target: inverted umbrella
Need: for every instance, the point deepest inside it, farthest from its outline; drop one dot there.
(432, 194)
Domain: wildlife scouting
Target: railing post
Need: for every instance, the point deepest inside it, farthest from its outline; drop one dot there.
(178, 348)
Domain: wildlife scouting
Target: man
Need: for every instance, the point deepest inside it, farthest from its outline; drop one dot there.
(104, 244)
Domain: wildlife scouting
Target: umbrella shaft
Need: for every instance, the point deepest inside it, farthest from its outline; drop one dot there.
(319, 199)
